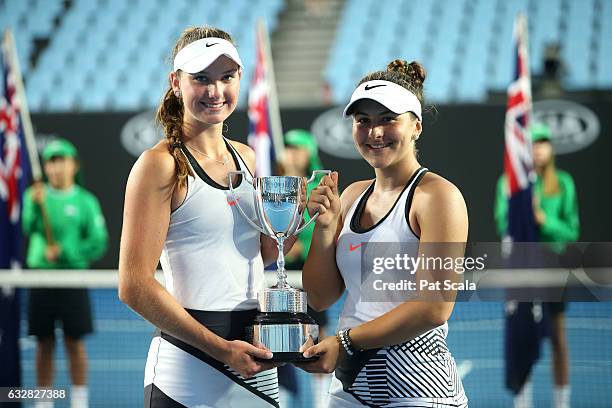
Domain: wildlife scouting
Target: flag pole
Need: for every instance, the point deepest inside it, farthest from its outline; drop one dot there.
(274, 110)
(521, 227)
(26, 123)
(524, 50)
(24, 112)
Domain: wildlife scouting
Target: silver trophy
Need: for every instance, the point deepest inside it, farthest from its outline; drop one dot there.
(282, 325)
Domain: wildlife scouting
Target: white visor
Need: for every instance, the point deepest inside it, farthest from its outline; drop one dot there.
(198, 55)
(394, 97)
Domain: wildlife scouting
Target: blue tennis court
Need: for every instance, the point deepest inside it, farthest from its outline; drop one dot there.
(117, 353)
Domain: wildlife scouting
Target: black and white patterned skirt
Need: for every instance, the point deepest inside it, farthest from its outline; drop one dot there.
(417, 373)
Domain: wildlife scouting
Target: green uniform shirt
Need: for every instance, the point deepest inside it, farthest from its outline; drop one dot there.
(305, 237)
(561, 224)
(77, 225)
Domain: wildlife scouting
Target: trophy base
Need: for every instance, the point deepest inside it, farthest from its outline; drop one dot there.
(287, 335)
(288, 357)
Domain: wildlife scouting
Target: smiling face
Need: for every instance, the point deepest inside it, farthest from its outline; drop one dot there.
(211, 95)
(382, 137)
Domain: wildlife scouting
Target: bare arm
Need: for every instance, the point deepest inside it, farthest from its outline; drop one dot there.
(321, 277)
(145, 223)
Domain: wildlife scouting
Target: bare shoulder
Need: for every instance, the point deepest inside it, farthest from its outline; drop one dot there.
(247, 154)
(434, 187)
(350, 194)
(155, 165)
(438, 203)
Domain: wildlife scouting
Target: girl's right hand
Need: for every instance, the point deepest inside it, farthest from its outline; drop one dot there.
(325, 199)
(241, 357)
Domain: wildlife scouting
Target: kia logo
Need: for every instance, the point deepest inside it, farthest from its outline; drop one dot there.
(574, 127)
(140, 133)
(334, 134)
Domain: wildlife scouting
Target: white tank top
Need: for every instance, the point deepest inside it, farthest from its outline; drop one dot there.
(419, 372)
(211, 258)
(394, 227)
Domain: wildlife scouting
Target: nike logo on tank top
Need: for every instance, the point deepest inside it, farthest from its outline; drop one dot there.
(393, 227)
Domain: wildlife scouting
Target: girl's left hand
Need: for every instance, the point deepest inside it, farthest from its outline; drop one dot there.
(329, 354)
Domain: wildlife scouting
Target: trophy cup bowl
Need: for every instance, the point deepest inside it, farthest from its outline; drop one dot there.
(282, 324)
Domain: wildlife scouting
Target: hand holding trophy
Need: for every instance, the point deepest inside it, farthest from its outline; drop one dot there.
(282, 325)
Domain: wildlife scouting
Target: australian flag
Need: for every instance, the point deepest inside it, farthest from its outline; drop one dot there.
(524, 321)
(14, 178)
(518, 160)
(260, 126)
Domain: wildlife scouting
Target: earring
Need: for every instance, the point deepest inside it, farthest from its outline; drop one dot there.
(177, 94)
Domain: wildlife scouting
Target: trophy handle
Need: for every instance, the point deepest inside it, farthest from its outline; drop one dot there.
(316, 214)
(315, 172)
(242, 173)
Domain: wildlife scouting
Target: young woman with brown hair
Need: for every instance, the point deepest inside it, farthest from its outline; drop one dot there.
(179, 211)
(389, 352)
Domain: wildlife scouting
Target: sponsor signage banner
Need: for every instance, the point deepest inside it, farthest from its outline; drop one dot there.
(462, 143)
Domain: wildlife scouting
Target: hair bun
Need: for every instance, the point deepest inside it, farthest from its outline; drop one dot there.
(398, 65)
(414, 71)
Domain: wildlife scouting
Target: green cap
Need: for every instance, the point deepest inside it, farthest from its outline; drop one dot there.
(540, 133)
(59, 148)
(304, 139)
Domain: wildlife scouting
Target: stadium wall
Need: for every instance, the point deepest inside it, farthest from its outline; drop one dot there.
(463, 143)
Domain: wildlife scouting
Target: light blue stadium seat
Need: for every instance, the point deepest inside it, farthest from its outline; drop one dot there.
(576, 50)
(604, 57)
(438, 81)
(126, 101)
(12, 11)
(471, 84)
(544, 30)
(95, 101)
(414, 36)
(100, 41)
(157, 85)
(35, 98)
(60, 98)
